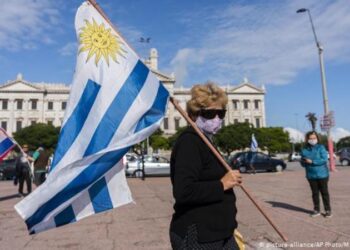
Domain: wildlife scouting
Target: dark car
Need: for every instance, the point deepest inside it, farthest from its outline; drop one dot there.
(344, 156)
(7, 169)
(256, 161)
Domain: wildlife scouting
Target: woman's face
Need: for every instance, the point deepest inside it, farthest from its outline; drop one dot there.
(312, 140)
(312, 137)
(215, 110)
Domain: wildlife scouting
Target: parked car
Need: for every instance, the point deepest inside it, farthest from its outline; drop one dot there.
(344, 156)
(295, 156)
(154, 166)
(256, 161)
(7, 169)
(130, 157)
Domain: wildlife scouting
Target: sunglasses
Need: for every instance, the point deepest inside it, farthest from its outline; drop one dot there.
(211, 113)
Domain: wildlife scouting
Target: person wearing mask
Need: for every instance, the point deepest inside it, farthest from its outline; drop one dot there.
(23, 171)
(314, 158)
(205, 204)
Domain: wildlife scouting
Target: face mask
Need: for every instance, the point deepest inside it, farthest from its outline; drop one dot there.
(312, 142)
(210, 126)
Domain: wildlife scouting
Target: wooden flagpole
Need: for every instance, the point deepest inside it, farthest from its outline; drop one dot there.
(184, 114)
(224, 163)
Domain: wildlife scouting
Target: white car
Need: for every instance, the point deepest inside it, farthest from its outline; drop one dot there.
(154, 166)
(294, 157)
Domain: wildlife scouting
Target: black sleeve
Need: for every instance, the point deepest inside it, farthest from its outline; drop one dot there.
(188, 188)
(18, 166)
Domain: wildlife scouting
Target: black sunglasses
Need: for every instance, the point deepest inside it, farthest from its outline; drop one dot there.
(211, 113)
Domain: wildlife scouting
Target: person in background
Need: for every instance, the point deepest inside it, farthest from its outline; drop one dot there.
(314, 158)
(205, 204)
(41, 163)
(23, 172)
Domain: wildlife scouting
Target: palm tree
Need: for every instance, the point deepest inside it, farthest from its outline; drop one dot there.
(312, 119)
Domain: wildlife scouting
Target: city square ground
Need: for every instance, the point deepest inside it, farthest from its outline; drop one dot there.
(286, 198)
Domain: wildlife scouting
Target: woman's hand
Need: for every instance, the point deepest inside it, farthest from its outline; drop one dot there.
(231, 179)
(308, 160)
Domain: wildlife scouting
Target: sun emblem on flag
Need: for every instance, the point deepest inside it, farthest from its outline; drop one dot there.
(99, 41)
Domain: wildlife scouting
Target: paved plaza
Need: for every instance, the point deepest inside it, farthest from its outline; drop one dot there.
(285, 196)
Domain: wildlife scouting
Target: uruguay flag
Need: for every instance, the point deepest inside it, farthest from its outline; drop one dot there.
(115, 102)
(6, 144)
(253, 144)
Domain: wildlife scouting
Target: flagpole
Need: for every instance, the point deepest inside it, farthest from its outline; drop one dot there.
(224, 163)
(183, 113)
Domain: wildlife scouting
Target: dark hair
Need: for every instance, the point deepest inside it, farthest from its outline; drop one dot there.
(307, 135)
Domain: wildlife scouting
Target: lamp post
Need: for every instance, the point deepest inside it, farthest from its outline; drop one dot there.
(146, 40)
(324, 89)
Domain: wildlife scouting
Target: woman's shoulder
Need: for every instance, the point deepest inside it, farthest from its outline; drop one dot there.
(321, 147)
(188, 135)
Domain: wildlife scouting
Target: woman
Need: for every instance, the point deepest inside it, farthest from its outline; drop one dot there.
(205, 209)
(314, 159)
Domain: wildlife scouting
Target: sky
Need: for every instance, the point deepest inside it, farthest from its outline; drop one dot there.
(219, 40)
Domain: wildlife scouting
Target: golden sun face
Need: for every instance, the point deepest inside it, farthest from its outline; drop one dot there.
(99, 41)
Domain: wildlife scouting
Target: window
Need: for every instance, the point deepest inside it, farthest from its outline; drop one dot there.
(235, 121)
(256, 104)
(64, 105)
(4, 104)
(257, 122)
(18, 125)
(246, 120)
(50, 122)
(34, 104)
(235, 104)
(33, 122)
(4, 125)
(166, 123)
(245, 103)
(50, 105)
(19, 104)
(177, 123)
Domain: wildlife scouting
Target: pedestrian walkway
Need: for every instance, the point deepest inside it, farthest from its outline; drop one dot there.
(144, 225)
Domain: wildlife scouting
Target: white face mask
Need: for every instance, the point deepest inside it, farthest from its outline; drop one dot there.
(312, 142)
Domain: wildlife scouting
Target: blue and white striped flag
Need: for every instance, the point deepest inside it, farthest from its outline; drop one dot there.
(115, 102)
(253, 144)
(6, 144)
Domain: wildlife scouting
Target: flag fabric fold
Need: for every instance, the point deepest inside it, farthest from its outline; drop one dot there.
(254, 144)
(6, 144)
(115, 102)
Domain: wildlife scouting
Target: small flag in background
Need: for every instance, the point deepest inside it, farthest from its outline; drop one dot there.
(253, 144)
(6, 144)
(115, 102)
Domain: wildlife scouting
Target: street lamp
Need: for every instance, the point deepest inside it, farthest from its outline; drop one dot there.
(324, 88)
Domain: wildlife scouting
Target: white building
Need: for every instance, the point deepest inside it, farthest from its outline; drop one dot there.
(23, 103)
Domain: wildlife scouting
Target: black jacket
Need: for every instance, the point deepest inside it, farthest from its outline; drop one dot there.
(199, 195)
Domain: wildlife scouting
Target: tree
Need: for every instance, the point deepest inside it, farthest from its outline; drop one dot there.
(38, 135)
(234, 137)
(343, 142)
(312, 119)
(158, 141)
(274, 139)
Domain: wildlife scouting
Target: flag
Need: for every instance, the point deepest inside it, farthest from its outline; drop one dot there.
(6, 144)
(253, 144)
(114, 103)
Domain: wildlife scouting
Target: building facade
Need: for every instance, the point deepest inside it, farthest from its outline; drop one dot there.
(23, 103)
